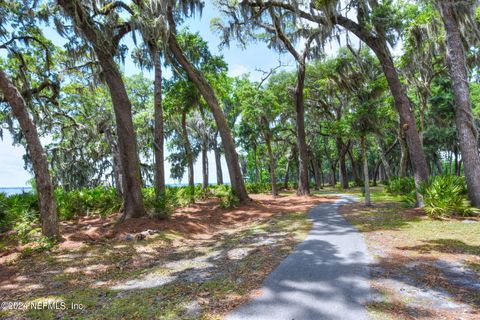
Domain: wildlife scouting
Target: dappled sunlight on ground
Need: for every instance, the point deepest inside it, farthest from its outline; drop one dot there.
(221, 253)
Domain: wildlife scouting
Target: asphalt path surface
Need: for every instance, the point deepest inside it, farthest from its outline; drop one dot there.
(326, 276)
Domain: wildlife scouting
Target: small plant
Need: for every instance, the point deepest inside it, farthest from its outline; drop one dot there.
(400, 186)
(227, 198)
(445, 196)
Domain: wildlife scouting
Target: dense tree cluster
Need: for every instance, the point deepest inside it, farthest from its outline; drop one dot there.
(362, 114)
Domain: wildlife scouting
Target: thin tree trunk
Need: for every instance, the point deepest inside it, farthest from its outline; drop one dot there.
(386, 165)
(466, 130)
(402, 103)
(333, 178)
(366, 177)
(402, 167)
(45, 192)
(218, 162)
(231, 156)
(287, 173)
(205, 164)
(127, 142)
(188, 149)
(355, 172)
(316, 173)
(341, 149)
(271, 157)
(158, 134)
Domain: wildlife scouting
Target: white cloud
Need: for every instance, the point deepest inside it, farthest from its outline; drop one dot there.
(238, 70)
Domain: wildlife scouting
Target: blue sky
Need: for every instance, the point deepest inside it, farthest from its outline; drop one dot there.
(12, 173)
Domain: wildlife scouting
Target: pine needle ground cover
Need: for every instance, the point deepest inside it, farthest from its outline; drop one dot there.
(203, 262)
(424, 268)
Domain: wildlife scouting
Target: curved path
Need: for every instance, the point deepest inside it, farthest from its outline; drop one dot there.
(326, 276)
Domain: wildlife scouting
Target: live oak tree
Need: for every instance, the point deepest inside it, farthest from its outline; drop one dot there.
(376, 26)
(103, 30)
(29, 81)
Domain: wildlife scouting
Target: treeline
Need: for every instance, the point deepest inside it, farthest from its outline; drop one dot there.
(360, 115)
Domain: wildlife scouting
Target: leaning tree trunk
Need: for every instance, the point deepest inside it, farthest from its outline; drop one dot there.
(402, 102)
(466, 130)
(46, 198)
(271, 158)
(402, 167)
(231, 156)
(407, 120)
(188, 149)
(386, 165)
(158, 132)
(127, 142)
(366, 177)
(218, 162)
(303, 186)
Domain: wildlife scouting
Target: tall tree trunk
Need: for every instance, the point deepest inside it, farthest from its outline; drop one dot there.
(333, 177)
(158, 133)
(287, 173)
(271, 157)
(407, 120)
(355, 171)
(386, 165)
(316, 173)
(127, 142)
(402, 167)
(46, 198)
(188, 149)
(402, 103)
(303, 186)
(341, 149)
(366, 177)
(205, 164)
(218, 161)
(466, 130)
(231, 156)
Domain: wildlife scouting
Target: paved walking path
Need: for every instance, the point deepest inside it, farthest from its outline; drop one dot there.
(326, 277)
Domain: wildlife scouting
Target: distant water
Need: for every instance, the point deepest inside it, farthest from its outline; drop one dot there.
(16, 190)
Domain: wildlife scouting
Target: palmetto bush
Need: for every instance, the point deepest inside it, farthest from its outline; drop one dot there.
(445, 196)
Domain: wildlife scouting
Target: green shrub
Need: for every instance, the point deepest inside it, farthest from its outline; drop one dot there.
(261, 187)
(99, 200)
(445, 196)
(400, 186)
(227, 198)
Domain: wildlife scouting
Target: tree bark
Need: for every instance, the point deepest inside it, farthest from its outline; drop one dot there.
(466, 130)
(402, 167)
(127, 142)
(366, 177)
(341, 149)
(271, 157)
(205, 164)
(303, 186)
(188, 149)
(45, 192)
(287, 173)
(231, 156)
(316, 173)
(218, 161)
(158, 132)
(386, 165)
